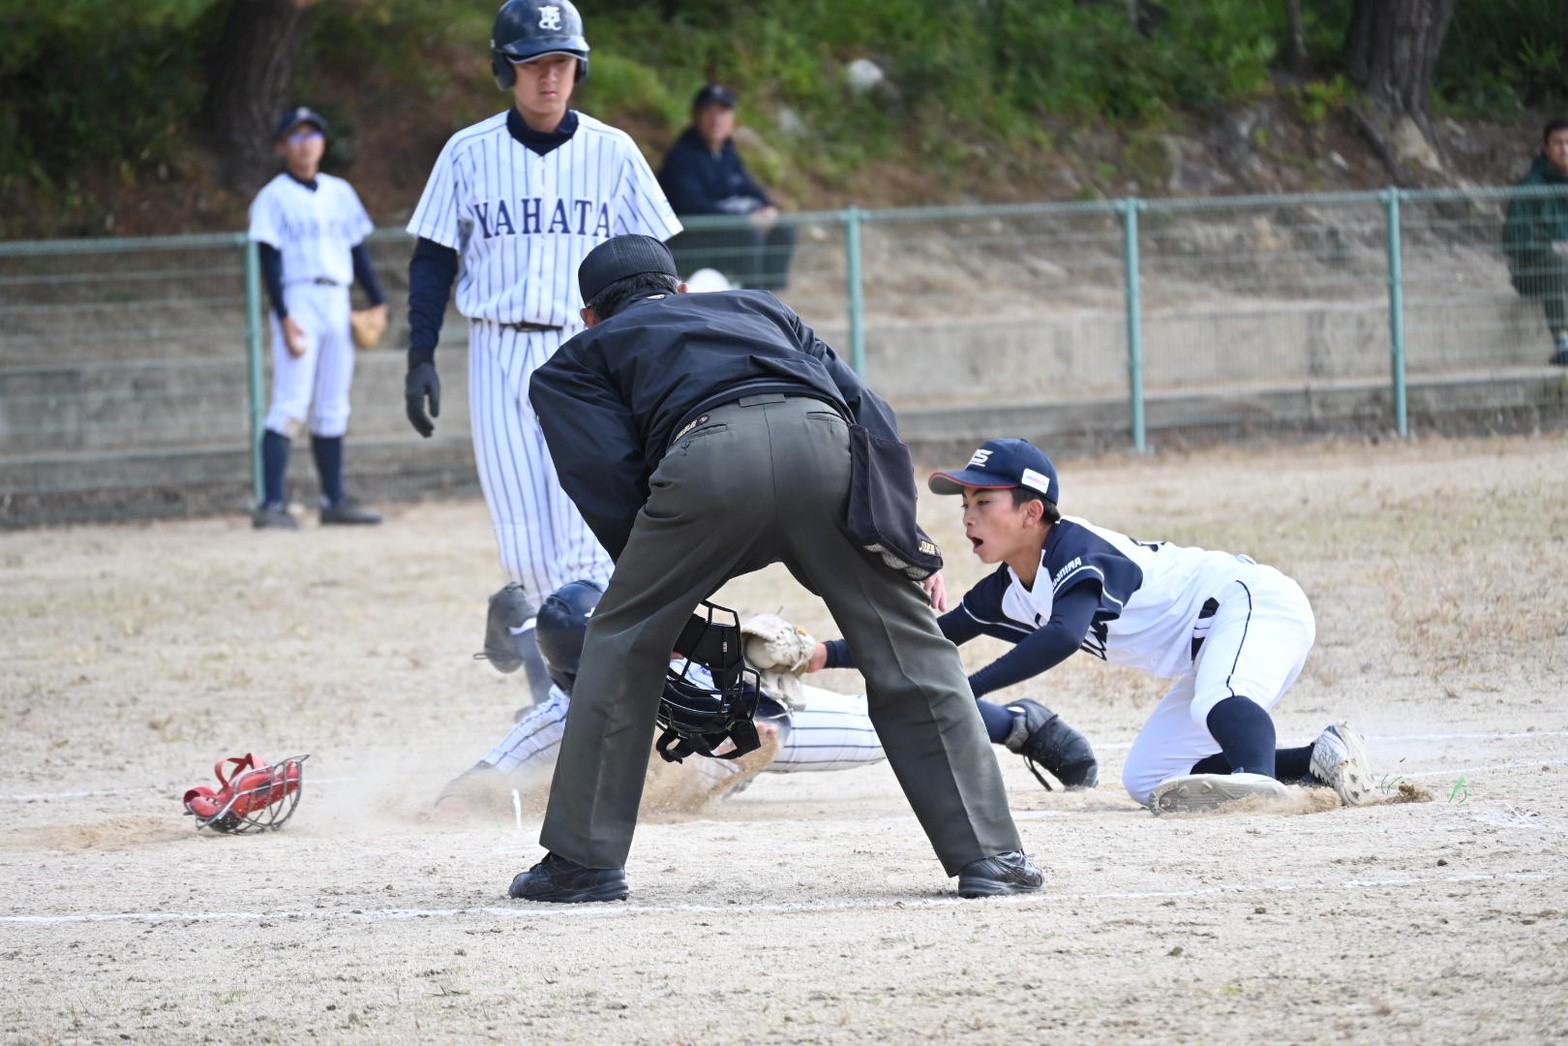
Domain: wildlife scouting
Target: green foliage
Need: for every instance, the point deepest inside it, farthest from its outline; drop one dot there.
(1321, 99)
(110, 86)
(94, 85)
(1503, 56)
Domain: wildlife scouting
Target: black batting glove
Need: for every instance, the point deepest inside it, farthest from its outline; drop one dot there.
(420, 386)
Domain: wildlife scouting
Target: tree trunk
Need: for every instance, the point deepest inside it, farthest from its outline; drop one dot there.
(250, 69)
(1391, 52)
(1296, 57)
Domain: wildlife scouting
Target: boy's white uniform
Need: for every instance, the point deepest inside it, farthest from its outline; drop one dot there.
(521, 223)
(315, 232)
(1220, 625)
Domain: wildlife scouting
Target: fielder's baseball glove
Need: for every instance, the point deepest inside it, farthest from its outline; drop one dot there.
(1041, 737)
(367, 326)
(253, 796)
(774, 644)
(780, 652)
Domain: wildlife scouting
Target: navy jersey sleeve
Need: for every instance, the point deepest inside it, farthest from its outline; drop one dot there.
(430, 274)
(956, 625)
(593, 441)
(365, 274)
(272, 277)
(1046, 647)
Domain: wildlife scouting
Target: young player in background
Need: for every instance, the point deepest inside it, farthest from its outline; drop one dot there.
(309, 228)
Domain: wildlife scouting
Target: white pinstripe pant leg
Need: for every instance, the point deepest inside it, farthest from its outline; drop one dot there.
(534, 739)
(541, 538)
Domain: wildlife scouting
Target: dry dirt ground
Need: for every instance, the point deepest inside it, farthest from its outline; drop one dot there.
(809, 907)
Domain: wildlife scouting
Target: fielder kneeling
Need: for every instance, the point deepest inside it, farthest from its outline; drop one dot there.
(1231, 633)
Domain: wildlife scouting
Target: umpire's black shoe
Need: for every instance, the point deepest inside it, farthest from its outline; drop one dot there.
(1011, 872)
(567, 882)
(348, 512)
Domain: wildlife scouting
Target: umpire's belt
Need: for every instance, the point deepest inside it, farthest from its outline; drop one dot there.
(754, 400)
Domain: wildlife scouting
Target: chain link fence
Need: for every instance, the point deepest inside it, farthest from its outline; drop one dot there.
(132, 372)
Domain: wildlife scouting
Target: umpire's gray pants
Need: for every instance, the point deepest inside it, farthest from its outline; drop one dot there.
(760, 481)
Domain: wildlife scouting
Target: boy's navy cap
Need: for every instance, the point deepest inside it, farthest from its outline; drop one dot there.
(1001, 463)
(620, 257)
(294, 117)
(714, 94)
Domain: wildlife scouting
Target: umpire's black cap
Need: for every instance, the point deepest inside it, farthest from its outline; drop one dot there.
(620, 257)
(296, 116)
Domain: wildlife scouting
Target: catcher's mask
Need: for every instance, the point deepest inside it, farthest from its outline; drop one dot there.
(560, 626)
(253, 796)
(711, 697)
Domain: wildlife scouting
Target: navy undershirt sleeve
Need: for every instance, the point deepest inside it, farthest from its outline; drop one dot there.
(1072, 612)
(272, 276)
(365, 273)
(956, 625)
(430, 274)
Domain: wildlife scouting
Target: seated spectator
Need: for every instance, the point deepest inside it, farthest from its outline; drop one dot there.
(1535, 237)
(703, 174)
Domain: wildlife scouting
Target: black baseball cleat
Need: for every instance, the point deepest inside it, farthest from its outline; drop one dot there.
(1010, 872)
(348, 512)
(563, 881)
(273, 517)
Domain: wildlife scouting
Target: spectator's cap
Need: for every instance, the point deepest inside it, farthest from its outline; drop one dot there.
(714, 94)
(1002, 463)
(300, 115)
(620, 257)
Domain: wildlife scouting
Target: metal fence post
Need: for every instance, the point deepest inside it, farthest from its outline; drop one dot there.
(1129, 208)
(1396, 311)
(853, 291)
(253, 353)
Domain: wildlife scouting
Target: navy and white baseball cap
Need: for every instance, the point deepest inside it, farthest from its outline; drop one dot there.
(619, 257)
(999, 464)
(714, 94)
(296, 116)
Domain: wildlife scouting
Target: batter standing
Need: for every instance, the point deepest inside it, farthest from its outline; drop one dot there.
(519, 199)
(310, 230)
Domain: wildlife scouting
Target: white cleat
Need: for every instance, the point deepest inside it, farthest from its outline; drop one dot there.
(1202, 793)
(1339, 760)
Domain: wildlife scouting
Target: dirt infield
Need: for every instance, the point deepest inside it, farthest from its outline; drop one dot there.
(808, 908)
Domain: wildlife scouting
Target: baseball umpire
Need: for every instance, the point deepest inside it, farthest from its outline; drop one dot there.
(704, 436)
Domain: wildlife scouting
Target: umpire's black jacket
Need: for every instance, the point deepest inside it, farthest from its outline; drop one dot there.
(612, 398)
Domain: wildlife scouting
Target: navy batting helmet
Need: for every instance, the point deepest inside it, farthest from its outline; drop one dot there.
(560, 626)
(527, 29)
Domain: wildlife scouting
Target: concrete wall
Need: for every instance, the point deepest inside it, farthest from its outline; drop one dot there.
(90, 438)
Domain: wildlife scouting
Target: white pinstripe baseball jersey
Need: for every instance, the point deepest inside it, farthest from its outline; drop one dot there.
(523, 222)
